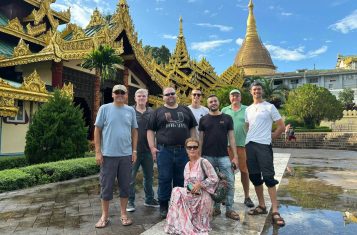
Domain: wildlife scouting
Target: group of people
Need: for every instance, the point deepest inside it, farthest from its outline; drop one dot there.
(188, 143)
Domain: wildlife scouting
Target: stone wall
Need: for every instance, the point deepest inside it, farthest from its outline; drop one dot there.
(320, 140)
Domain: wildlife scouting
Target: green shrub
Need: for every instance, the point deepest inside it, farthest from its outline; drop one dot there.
(47, 173)
(316, 129)
(15, 179)
(12, 162)
(295, 122)
(57, 132)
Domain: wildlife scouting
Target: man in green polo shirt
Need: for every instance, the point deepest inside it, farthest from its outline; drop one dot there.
(237, 111)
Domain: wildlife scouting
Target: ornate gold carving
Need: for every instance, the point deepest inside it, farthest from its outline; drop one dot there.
(77, 32)
(46, 37)
(96, 19)
(67, 90)
(65, 14)
(34, 83)
(8, 102)
(15, 25)
(35, 30)
(22, 49)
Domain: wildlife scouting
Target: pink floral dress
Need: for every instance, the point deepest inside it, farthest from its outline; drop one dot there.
(190, 214)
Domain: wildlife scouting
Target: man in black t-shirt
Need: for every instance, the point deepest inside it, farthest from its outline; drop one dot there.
(215, 128)
(173, 124)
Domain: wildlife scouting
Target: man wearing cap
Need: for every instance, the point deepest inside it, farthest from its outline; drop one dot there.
(115, 138)
(237, 111)
(173, 124)
(197, 109)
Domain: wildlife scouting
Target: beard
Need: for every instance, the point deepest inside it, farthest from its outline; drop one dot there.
(213, 108)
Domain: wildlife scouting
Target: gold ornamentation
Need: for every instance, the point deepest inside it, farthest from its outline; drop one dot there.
(96, 19)
(67, 90)
(15, 25)
(34, 83)
(22, 49)
(35, 30)
(7, 102)
(77, 32)
(65, 14)
(3, 83)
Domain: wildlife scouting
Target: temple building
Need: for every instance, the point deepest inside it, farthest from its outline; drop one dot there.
(35, 58)
(252, 56)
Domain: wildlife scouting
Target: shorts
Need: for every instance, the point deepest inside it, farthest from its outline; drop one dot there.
(260, 159)
(242, 158)
(115, 167)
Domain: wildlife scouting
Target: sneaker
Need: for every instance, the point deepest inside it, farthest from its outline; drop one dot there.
(248, 202)
(130, 207)
(153, 203)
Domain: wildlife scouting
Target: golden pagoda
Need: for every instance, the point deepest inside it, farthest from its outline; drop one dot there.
(253, 57)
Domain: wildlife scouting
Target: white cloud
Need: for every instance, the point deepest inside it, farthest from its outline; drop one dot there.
(80, 13)
(328, 41)
(209, 45)
(222, 28)
(206, 11)
(239, 41)
(347, 24)
(159, 9)
(296, 54)
(286, 14)
(169, 36)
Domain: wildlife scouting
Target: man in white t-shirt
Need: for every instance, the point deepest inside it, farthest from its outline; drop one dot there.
(259, 118)
(197, 109)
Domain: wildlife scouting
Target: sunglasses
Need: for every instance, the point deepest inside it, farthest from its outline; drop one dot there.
(193, 147)
(196, 94)
(119, 92)
(170, 94)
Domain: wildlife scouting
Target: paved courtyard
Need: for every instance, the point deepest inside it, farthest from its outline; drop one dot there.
(73, 207)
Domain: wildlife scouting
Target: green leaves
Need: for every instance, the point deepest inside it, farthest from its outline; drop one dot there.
(346, 96)
(312, 104)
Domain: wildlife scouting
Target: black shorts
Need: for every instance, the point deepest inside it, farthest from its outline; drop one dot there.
(260, 159)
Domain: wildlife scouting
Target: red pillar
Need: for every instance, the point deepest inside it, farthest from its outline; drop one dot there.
(57, 71)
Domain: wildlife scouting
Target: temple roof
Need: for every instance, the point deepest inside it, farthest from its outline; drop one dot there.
(252, 52)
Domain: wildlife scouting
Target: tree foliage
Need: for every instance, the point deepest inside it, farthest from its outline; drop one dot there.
(160, 54)
(312, 104)
(346, 96)
(57, 132)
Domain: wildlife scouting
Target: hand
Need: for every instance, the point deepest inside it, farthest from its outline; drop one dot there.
(133, 157)
(196, 188)
(235, 161)
(99, 158)
(154, 151)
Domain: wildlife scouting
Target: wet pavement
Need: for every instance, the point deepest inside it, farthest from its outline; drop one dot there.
(318, 193)
(313, 199)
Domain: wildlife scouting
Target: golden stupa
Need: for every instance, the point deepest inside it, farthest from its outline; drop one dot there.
(253, 57)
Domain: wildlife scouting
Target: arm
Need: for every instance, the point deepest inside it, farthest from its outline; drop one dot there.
(232, 142)
(97, 142)
(151, 140)
(280, 127)
(193, 132)
(134, 143)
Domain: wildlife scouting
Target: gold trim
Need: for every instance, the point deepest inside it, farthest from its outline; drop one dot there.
(67, 90)
(34, 83)
(96, 19)
(35, 30)
(18, 34)
(22, 49)
(15, 25)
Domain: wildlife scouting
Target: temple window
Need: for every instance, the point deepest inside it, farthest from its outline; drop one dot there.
(20, 117)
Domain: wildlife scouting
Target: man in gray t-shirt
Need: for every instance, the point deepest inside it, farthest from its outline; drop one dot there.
(115, 138)
(197, 109)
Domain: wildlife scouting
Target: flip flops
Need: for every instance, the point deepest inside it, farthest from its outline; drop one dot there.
(125, 221)
(102, 223)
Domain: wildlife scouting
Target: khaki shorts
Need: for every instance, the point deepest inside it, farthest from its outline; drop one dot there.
(242, 158)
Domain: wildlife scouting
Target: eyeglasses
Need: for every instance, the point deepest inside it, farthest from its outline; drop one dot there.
(193, 147)
(119, 92)
(196, 94)
(170, 94)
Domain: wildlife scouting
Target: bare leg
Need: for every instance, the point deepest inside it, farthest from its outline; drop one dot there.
(123, 204)
(274, 202)
(105, 210)
(245, 182)
(260, 195)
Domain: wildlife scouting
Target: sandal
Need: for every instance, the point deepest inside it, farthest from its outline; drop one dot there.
(232, 215)
(259, 210)
(216, 212)
(125, 221)
(102, 223)
(277, 220)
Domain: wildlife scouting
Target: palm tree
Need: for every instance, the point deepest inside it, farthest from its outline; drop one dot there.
(103, 60)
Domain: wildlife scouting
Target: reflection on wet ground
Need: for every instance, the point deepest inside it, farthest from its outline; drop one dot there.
(316, 194)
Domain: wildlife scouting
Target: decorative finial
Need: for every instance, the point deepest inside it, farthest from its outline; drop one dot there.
(251, 25)
(250, 5)
(181, 27)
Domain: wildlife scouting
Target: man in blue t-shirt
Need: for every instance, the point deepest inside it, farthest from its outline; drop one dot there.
(115, 138)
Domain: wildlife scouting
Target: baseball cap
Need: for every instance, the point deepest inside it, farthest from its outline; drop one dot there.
(234, 91)
(119, 87)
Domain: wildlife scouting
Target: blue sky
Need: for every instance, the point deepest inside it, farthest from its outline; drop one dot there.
(298, 33)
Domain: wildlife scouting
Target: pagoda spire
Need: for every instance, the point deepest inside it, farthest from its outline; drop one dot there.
(180, 56)
(251, 25)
